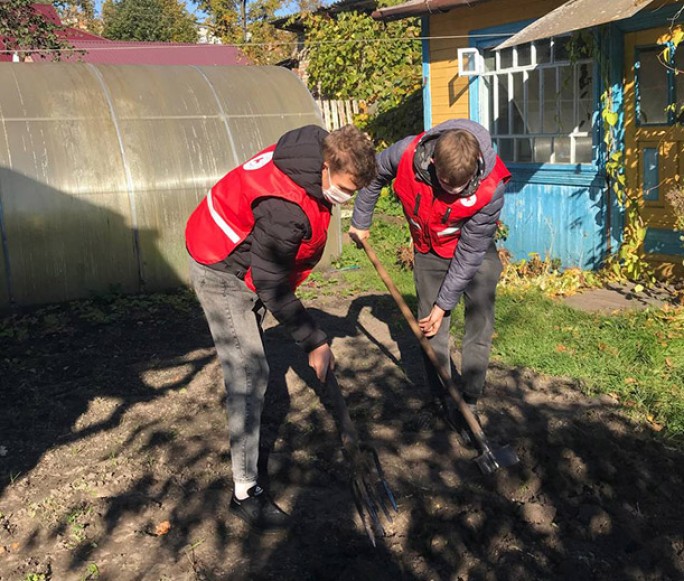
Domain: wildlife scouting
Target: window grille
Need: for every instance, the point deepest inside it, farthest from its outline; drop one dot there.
(537, 104)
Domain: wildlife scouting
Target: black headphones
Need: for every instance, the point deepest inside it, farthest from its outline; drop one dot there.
(480, 166)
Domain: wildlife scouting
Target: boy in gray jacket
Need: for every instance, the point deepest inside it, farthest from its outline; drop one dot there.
(451, 185)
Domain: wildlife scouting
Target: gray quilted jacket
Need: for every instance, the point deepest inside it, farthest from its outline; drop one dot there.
(477, 233)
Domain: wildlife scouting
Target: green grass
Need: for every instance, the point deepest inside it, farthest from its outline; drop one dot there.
(352, 273)
(637, 357)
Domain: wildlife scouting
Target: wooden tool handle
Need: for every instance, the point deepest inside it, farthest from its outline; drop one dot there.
(468, 415)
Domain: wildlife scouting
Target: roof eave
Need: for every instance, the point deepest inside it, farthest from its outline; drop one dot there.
(420, 8)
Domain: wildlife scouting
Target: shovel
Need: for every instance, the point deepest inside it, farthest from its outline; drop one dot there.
(489, 460)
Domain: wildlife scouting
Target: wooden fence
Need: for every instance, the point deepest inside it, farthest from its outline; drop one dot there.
(336, 113)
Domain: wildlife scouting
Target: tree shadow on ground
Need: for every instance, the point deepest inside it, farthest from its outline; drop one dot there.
(570, 506)
(594, 497)
(72, 374)
(57, 359)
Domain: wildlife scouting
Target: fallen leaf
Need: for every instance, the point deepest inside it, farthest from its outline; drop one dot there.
(630, 380)
(14, 547)
(668, 362)
(162, 528)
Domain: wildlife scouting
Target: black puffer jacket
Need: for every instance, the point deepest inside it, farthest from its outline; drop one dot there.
(478, 231)
(280, 226)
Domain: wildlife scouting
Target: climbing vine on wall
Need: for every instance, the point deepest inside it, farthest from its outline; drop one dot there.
(629, 261)
(670, 41)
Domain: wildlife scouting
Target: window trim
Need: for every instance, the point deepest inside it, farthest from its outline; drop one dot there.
(509, 133)
(470, 55)
(481, 41)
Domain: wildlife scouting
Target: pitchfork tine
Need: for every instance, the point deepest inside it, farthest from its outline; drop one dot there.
(381, 474)
(390, 495)
(378, 499)
(377, 492)
(370, 505)
(383, 505)
(356, 493)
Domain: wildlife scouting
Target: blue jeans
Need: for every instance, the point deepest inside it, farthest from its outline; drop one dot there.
(479, 297)
(235, 313)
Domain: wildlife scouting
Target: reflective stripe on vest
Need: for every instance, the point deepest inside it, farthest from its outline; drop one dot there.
(225, 217)
(220, 222)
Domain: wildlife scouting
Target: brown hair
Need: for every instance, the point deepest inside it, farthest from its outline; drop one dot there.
(455, 156)
(348, 149)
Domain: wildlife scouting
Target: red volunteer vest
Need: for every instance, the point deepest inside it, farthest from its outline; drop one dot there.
(225, 218)
(435, 217)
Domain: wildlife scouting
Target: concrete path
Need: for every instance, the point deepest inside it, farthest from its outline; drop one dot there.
(618, 297)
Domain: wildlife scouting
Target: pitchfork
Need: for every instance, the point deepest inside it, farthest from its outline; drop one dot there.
(369, 488)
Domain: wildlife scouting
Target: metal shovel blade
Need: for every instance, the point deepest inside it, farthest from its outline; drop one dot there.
(491, 460)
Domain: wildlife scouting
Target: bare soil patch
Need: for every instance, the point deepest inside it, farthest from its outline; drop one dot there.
(114, 464)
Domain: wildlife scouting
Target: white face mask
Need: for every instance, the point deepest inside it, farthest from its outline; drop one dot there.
(334, 194)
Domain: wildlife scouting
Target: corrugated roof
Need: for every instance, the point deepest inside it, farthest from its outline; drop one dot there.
(292, 22)
(420, 7)
(349, 6)
(576, 15)
(48, 11)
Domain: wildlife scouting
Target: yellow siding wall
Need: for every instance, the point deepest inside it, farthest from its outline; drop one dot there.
(449, 92)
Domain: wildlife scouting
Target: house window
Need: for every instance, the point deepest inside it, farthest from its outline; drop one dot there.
(537, 104)
(679, 85)
(659, 91)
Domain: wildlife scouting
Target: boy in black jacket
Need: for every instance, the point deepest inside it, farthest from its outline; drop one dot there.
(254, 238)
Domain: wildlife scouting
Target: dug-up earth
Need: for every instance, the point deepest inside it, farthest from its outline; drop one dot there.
(114, 463)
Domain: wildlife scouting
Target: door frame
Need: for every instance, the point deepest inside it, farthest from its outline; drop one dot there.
(667, 140)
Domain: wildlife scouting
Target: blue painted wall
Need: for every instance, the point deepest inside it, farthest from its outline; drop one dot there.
(555, 221)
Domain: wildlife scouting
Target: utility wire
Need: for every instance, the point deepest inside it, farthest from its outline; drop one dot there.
(159, 44)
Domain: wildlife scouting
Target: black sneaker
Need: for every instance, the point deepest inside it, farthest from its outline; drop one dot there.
(259, 511)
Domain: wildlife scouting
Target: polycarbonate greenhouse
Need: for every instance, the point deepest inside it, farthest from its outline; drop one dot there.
(100, 166)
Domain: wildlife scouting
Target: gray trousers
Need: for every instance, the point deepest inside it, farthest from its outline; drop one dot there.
(235, 314)
(479, 297)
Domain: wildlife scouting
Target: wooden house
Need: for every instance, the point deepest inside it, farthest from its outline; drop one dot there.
(537, 73)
